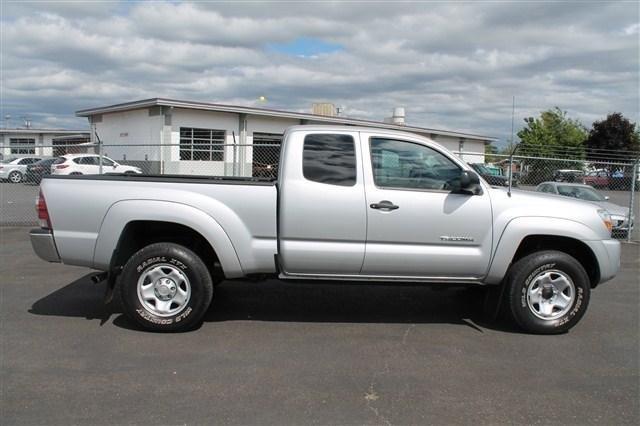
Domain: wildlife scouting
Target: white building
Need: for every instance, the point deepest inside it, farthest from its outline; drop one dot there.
(44, 142)
(225, 136)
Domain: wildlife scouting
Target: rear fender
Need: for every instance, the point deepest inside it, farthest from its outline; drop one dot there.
(123, 212)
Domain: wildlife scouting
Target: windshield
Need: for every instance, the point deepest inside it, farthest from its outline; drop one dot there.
(46, 161)
(484, 169)
(580, 192)
(481, 168)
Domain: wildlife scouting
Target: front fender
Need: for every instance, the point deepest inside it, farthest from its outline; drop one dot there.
(519, 228)
(123, 212)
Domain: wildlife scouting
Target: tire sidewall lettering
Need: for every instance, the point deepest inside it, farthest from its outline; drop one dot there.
(160, 259)
(144, 314)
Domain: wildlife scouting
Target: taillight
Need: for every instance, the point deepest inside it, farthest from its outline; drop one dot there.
(62, 166)
(43, 213)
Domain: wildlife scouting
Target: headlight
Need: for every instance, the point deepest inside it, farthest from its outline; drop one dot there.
(606, 219)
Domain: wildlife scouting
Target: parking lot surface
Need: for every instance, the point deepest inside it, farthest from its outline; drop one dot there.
(285, 353)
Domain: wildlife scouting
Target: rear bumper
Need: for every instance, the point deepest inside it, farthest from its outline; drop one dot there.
(44, 245)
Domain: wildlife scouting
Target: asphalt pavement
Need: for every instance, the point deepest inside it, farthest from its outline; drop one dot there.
(299, 354)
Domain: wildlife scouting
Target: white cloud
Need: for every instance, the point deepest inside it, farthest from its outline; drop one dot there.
(453, 66)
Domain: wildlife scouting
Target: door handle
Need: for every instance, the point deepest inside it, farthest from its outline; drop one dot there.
(384, 205)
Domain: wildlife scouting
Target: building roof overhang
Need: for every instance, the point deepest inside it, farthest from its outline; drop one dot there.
(172, 103)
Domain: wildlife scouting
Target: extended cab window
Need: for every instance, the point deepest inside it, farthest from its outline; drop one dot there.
(329, 159)
(408, 165)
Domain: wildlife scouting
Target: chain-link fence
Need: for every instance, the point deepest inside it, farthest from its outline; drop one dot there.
(607, 180)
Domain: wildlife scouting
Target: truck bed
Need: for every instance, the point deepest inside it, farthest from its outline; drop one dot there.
(88, 212)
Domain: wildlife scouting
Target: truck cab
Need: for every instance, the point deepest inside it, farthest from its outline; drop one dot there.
(377, 205)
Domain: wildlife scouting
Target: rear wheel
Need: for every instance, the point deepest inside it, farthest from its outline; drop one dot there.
(15, 177)
(548, 292)
(166, 287)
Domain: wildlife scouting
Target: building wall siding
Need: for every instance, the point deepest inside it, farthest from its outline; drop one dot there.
(138, 127)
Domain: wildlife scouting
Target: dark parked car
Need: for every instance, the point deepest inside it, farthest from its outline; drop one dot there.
(568, 175)
(492, 179)
(36, 171)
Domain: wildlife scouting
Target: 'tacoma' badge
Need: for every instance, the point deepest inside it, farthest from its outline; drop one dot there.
(448, 238)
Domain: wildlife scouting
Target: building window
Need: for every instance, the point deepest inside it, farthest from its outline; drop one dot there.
(22, 146)
(201, 144)
(266, 154)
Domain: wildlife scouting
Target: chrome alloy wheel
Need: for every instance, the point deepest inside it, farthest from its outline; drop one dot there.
(164, 290)
(15, 177)
(550, 294)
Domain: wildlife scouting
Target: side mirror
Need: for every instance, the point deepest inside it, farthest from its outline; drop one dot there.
(606, 197)
(469, 182)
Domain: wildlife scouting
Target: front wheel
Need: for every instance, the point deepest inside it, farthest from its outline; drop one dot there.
(15, 177)
(548, 292)
(166, 287)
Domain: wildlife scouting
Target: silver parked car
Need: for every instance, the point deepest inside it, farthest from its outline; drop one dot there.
(14, 169)
(619, 214)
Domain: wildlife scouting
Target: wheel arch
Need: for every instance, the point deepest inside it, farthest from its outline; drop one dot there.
(138, 234)
(524, 236)
(574, 248)
(130, 224)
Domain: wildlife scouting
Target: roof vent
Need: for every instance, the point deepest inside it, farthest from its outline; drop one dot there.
(324, 108)
(397, 117)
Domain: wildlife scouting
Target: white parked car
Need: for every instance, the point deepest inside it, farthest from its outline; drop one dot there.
(88, 164)
(13, 169)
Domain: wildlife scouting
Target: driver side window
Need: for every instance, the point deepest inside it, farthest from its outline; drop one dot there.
(408, 165)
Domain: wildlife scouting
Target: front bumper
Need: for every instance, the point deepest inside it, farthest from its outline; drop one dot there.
(44, 245)
(608, 254)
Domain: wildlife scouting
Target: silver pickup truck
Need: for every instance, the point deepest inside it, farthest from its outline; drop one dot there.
(349, 204)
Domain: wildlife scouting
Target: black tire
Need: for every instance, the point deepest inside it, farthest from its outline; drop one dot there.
(176, 257)
(15, 177)
(520, 279)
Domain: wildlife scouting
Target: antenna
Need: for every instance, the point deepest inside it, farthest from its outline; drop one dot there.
(513, 148)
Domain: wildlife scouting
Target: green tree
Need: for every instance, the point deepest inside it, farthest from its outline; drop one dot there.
(489, 153)
(615, 134)
(552, 135)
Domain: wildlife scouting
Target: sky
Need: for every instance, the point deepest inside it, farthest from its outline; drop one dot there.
(452, 65)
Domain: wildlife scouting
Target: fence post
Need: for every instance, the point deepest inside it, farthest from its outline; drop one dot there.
(99, 157)
(634, 176)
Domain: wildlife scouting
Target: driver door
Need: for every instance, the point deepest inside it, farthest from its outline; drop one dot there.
(416, 225)
(109, 166)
